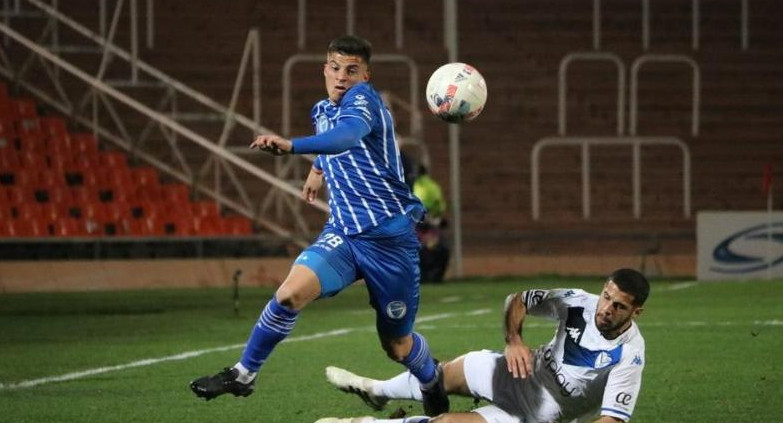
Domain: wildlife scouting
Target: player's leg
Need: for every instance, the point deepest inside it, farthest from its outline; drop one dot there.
(376, 393)
(389, 261)
(322, 270)
(472, 417)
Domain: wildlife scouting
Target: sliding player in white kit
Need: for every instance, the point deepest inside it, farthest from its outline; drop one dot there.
(591, 368)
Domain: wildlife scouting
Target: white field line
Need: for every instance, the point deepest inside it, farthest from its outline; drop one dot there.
(189, 354)
(679, 286)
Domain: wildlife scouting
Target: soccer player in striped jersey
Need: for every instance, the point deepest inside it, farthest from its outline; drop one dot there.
(591, 369)
(370, 233)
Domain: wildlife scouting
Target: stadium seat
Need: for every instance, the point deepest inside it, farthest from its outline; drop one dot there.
(116, 211)
(149, 193)
(26, 228)
(238, 225)
(9, 159)
(19, 195)
(53, 211)
(208, 226)
(32, 143)
(113, 159)
(84, 194)
(178, 225)
(29, 127)
(50, 178)
(60, 162)
(7, 132)
(130, 226)
(32, 160)
(178, 194)
(68, 227)
(17, 178)
(59, 145)
(145, 176)
(58, 195)
(23, 108)
(152, 226)
(205, 209)
(84, 144)
(53, 126)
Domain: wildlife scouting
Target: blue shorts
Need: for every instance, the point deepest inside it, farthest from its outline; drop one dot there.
(386, 257)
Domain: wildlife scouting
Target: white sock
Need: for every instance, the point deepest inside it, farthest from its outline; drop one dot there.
(414, 419)
(402, 386)
(245, 375)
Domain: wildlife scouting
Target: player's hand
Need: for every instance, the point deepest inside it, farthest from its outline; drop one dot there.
(272, 144)
(312, 185)
(519, 359)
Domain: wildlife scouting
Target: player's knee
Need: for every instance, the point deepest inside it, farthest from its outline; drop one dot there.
(291, 298)
(396, 349)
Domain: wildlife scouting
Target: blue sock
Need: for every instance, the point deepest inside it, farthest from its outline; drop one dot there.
(419, 362)
(274, 324)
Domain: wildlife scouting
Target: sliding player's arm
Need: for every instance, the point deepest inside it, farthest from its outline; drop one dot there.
(518, 356)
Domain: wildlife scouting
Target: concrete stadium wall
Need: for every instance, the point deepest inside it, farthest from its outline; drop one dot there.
(47, 276)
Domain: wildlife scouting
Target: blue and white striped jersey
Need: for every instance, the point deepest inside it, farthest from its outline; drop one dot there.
(366, 182)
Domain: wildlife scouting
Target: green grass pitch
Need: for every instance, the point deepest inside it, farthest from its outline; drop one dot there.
(714, 351)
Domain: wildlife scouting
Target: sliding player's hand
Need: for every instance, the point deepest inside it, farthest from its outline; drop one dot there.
(519, 359)
(272, 144)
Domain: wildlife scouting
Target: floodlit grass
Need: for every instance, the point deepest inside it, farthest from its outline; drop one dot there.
(713, 351)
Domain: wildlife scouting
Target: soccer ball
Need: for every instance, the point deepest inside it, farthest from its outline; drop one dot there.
(456, 92)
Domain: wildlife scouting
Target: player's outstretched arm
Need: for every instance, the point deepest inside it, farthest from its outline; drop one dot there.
(518, 356)
(273, 144)
(312, 185)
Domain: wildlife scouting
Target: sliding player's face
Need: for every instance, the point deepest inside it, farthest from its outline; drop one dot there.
(342, 72)
(615, 311)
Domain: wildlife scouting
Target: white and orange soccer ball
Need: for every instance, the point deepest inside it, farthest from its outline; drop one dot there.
(456, 92)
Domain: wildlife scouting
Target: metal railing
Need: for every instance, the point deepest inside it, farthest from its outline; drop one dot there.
(562, 86)
(350, 22)
(585, 143)
(695, 24)
(666, 58)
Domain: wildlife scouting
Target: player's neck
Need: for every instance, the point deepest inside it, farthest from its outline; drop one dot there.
(613, 334)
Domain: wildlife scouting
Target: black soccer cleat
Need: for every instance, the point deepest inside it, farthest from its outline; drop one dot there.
(435, 399)
(210, 387)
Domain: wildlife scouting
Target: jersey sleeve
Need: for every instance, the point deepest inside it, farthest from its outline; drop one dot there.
(358, 103)
(549, 303)
(623, 386)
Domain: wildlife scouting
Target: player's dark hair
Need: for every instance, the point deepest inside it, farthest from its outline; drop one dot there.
(632, 282)
(351, 45)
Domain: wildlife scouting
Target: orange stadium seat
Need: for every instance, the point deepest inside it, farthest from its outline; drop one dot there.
(53, 126)
(145, 176)
(19, 195)
(50, 178)
(205, 209)
(208, 226)
(152, 226)
(23, 108)
(7, 131)
(32, 143)
(17, 178)
(149, 193)
(9, 159)
(84, 144)
(113, 159)
(238, 225)
(68, 226)
(32, 160)
(178, 194)
(27, 228)
(58, 145)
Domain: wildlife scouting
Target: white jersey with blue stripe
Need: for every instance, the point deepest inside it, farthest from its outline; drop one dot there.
(580, 372)
(366, 182)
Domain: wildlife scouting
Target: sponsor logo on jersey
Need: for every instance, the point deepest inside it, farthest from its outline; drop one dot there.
(574, 333)
(623, 398)
(396, 310)
(556, 370)
(637, 360)
(322, 124)
(745, 251)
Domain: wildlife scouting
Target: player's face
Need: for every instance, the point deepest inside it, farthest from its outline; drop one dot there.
(615, 311)
(342, 72)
